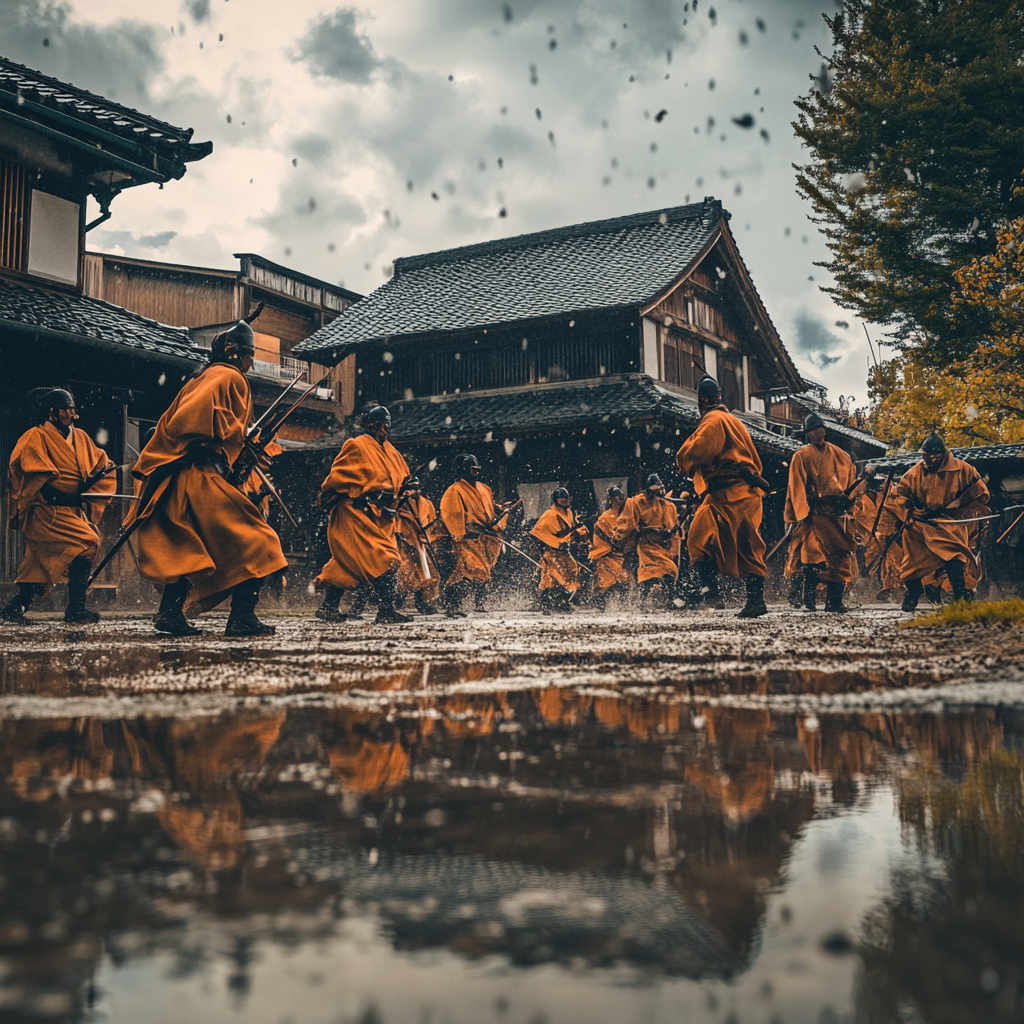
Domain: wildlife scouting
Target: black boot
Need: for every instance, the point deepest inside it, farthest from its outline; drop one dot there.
(169, 616)
(14, 610)
(955, 575)
(362, 595)
(328, 610)
(707, 573)
(452, 600)
(915, 591)
(811, 587)
(934, 594)
(78, 578)
(795, 597)
(422, 605)
(242, 621)
(755, 605)
(385, 586)
(834, 598)
(479, 596)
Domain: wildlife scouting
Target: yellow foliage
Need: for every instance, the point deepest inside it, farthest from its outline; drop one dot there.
(979, 400)
(967, 613)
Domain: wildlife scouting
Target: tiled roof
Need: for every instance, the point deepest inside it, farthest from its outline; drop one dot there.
(634, 397)
(855, 434)
(983, 453)
(95, 112)
(92, 318)
(608, 264)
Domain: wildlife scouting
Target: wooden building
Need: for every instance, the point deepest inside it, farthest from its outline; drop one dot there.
(207, 301)
(58, 146)
(568, 356)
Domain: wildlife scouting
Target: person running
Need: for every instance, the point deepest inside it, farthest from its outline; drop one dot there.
(471, 522)
(608, 555)
(53, 464)
(723, 537)
(930, 495)
(822, 545)
(558, 529)
(417, 572)
(198, 534)
(364, 490)
(650, 521)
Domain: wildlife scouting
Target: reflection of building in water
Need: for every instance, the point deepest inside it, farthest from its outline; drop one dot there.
(557, 814)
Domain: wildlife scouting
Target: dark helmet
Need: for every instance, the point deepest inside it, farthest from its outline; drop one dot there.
(57, 398)
(239, 339)
(615, 492)
(707, 387)
(653, 480)
(413, 484)
(933, 445)
(557, 493)
(464, 464)
(812, 421)
(378, 414)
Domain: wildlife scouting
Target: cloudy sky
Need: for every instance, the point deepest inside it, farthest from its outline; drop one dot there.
(345, 136)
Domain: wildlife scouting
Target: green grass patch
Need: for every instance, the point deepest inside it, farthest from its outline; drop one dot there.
(966, 613)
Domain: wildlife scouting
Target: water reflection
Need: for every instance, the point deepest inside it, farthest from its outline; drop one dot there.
(654, 856)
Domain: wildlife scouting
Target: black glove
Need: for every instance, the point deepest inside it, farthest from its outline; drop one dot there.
(53, 496)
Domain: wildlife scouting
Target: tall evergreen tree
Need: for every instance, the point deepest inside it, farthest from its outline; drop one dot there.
(916, 135)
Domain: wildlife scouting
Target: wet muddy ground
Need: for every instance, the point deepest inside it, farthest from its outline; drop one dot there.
(801, 818)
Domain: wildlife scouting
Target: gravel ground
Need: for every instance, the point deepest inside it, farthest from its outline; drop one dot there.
(787, 658)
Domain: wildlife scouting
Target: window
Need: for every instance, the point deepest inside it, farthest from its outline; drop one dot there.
(53, 238)
(680, 356)
(14, 200)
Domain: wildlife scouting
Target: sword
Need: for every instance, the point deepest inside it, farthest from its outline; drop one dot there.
(782, 540)
(423, 537)
(1006, 532)
(881, 505)
(273, 405)
(100, 494)
(511, 547)
(272, 491)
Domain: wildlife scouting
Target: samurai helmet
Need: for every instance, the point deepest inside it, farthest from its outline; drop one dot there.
(933, 445)
(653, 480)
(812, 421)
(558, 494)
(708, 388)
(378, 414)
(239, 340)
(464, 466)
(615, 492)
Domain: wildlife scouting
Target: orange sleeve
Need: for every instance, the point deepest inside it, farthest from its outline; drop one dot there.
(547, 527)
(628, 521)
(703, 446)
(349, 473)
(453, 513)
(797, 508)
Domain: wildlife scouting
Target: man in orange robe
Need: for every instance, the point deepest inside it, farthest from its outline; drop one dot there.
(468, 514)
(557, 529)
(726, 471)
(939, 488)
(51, 466)
(365, 487)
(650, 520)
(417, 572)
(199, 535)
(818, 503)
(875, 540)
(608, 555)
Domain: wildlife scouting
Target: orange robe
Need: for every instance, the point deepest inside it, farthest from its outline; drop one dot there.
(819, 538)
(414, 552)
(725, 525)
(608, 562)
(363, 543)
(641, 518)
(55, 535)
(557, 566)
(864, 511)
(194, 523)
(927, 546)
(465, 505)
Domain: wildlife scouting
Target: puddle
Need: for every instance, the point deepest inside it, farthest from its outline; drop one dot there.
(510, 822)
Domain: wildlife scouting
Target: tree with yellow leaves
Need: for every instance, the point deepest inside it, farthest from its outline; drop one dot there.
(977, 400)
